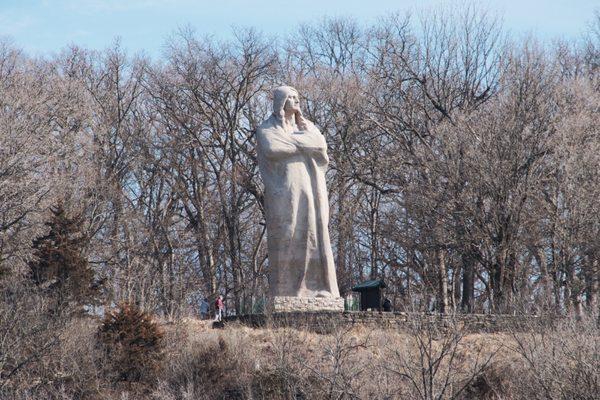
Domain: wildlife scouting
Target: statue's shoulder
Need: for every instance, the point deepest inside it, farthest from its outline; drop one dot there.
(268, 127)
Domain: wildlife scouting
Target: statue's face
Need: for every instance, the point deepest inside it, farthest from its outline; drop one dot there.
(292, 103)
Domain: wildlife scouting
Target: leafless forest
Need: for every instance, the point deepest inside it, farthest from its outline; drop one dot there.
(465, 163)
(465, 171)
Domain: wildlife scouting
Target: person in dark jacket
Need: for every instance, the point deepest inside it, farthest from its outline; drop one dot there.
(204, 309)
(387, 305)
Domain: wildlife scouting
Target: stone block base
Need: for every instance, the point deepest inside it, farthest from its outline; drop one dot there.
(294, 304)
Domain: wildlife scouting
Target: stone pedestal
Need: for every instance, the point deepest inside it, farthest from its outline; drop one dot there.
(295, 304)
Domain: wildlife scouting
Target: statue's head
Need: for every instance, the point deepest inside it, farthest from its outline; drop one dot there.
(285, 98)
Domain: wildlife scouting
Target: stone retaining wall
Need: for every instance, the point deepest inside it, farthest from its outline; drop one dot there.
(324, 321)
(281, 304)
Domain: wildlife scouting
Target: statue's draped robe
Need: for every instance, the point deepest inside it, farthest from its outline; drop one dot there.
(293, 166)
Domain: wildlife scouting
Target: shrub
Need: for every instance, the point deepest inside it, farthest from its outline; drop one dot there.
(562, 362)
(28, 335)
(205, 366)
(132, 344)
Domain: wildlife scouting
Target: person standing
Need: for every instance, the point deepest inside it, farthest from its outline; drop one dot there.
(204, 308)
(387, 305)
(219, 308)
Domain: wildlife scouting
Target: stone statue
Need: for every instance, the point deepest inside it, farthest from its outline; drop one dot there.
(292, 158)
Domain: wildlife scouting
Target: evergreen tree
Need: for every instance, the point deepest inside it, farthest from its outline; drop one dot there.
(60, 265)
(132, 342)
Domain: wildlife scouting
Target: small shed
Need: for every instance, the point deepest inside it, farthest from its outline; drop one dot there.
(371, 295)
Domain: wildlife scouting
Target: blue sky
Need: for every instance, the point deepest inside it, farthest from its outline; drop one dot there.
(46, 26)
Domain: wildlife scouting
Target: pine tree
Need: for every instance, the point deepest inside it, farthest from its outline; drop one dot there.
(132, 343)
(60, 266)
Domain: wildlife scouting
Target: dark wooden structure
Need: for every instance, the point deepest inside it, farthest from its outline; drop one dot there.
(371, 295)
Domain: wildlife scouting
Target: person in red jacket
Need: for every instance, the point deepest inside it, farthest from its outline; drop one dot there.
(219, 308)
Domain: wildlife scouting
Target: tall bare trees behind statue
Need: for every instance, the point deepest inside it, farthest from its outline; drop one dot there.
(464, 164)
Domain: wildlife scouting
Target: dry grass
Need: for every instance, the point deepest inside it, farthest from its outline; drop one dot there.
(282, 363)
(288, 363)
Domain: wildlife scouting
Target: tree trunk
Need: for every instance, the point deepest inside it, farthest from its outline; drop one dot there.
(591, 287)
(497, 282)
(374, 221)
(343, 236)
(546, 297)
(443, 282)
(468, 283)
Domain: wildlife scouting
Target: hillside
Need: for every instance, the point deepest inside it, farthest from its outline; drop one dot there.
(238, 362)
